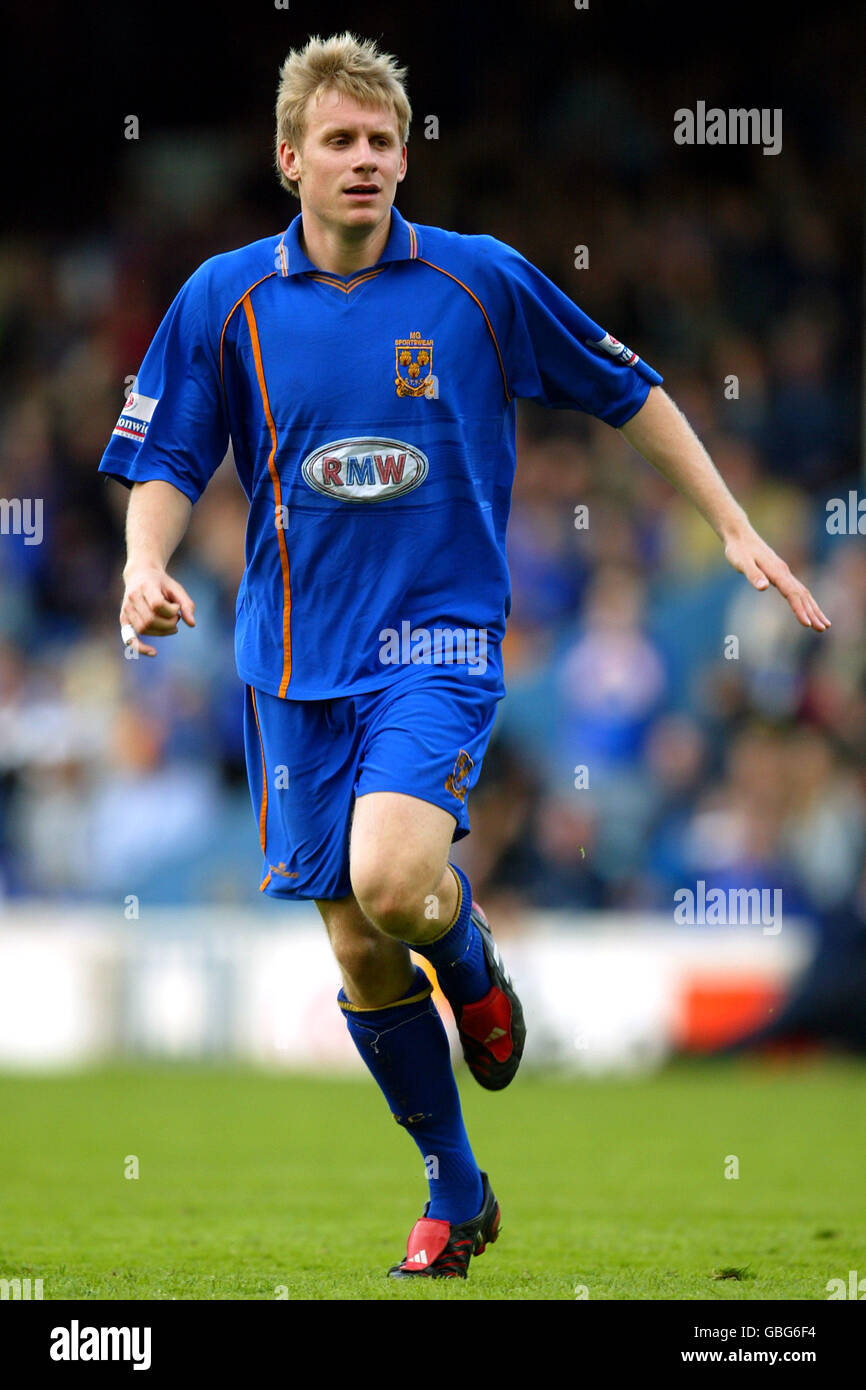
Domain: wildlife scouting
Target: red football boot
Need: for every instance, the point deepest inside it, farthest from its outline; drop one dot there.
(492, 1029)
(438, 1250)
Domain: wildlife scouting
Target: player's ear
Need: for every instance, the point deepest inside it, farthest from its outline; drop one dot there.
(289, 162)
(402, 170)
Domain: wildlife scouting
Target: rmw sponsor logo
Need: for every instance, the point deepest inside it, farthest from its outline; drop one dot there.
(20, 1289)
(77, 1343)
(365, 470)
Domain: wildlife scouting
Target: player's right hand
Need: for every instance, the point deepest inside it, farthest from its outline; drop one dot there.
(153, 603)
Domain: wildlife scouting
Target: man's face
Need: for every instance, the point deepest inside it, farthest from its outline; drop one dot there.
(349, 164)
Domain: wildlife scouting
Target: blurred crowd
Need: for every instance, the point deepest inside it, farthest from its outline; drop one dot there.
(664, 723)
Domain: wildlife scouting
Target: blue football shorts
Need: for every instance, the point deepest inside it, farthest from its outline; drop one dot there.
(307, 761)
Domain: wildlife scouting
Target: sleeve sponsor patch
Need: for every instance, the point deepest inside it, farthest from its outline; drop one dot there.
(615, 348)
(135, 416)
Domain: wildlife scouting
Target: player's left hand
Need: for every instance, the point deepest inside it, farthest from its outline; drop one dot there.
(762, 567)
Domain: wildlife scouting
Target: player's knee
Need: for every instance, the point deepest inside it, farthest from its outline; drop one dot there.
(359, 955)
(392, 898)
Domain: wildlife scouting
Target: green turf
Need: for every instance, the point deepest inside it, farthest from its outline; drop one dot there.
(250, 1181)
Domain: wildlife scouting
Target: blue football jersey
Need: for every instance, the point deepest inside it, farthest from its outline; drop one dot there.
(372, 422)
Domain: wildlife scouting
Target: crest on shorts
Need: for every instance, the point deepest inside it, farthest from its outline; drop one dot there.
(281, 870)
(458, 782)
(414, 361)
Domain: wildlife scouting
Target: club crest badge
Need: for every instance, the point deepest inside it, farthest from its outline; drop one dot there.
(414, 362)
(458, 782)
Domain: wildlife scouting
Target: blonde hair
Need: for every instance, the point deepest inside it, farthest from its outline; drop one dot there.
(345, 64)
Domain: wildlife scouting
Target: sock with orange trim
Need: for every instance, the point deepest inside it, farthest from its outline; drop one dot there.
(458, 955)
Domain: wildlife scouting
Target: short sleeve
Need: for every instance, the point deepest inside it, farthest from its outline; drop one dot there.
(557, 355)
(173, 424)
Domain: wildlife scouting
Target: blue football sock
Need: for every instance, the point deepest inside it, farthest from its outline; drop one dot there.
(458, 955)
(405, 1047)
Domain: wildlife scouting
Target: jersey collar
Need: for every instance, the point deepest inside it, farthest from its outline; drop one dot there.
(403, 244)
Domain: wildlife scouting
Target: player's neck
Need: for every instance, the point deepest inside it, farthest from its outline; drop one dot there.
(341, 250)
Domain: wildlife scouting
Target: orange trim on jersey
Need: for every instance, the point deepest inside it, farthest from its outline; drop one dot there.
(265, 881)
(275, 480)
(231, 311)
(325, 279)
(263, 809)
(484, 312)
(413, 243)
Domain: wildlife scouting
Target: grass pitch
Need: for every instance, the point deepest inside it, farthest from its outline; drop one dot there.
(255, 1185)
